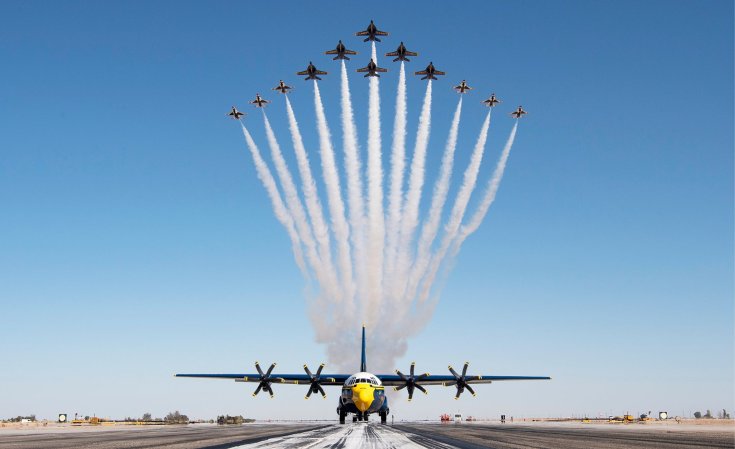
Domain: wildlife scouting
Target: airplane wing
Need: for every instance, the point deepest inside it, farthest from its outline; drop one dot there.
(364, 69)
(305, 72)
(362, 33)
(393, 53)
(439, 72)
(319, 72)
(331, 52)
(393, 380)
(292, 379)
(350, 52)
(422, 72)
(381, 33)
(380, 69)
(411, 53)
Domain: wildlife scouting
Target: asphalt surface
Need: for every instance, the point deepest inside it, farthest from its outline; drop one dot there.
(376, 436)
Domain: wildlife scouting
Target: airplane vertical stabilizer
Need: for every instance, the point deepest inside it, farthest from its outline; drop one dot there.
(363, 363)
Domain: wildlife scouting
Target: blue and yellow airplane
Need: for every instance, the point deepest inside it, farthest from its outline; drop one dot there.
(363, 393)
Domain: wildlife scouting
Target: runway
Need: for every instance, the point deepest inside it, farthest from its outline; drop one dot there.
(376, 436)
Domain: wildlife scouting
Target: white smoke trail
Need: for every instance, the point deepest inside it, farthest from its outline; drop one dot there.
(311, 196)
(431, 225)
(376, 225)
(282, 214)
(409, 216)
(334, 198)
(323, 272)
(398, 165)
(458, 211)
(490, 192)
(354, 182)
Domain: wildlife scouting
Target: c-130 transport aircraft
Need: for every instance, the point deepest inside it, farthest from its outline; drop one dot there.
(363, 393)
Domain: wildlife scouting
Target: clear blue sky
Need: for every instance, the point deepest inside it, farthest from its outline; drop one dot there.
(136, 240)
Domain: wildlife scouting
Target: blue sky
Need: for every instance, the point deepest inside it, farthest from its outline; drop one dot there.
(136, 240)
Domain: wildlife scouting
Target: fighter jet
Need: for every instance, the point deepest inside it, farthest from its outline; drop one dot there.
(340, 51)
(282, 87)
(259, 102)
(401, 52)
(492, 101)
(462, 87)
(430, 72)
(371, 69)
(235, 114)
(371, 32)
(519, 112)
(311, 72)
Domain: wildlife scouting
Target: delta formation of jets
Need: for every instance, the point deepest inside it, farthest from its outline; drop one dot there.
(341, 52)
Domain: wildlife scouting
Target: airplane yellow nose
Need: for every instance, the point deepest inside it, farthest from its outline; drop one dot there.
(363, 397)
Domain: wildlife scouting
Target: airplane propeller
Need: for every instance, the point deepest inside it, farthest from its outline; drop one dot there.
(411, 381)
(315, 386)
(460, 381)
(265, 380)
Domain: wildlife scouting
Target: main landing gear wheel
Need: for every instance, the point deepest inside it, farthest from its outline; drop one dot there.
(342, 417)
(383, 418)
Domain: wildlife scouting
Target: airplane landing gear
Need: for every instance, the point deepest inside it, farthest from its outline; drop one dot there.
(383, 417)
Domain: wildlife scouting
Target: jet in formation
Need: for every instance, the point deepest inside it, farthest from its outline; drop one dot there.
(235, 114)
(371, 32)
(311, 72)
(430, 72)
(259, 101)
(340, 51)
(518, 113)
(492, 101)
(462, 87)
(282, 87)
(401, 53)
(372, 69)
(363, 393)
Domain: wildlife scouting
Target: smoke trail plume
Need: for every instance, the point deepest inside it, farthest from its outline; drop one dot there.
(323, 272)
(354, 182)
(490, 192)
(409, 216)
(311, 196)
(282, 215)
(334, 198)
(376, 225)
(431, 225)
(458, 211)
(398, 164)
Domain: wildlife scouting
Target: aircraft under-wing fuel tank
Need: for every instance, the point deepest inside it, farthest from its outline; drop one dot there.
(235, 114)
(492, 101)
(401, 53)
(372, 69)
(282, 87)
(371, 32)
(259, 101)
(363, 393)
(311, 72)
(340, 51)
(462, 87)
(430, 72)
(518, 113)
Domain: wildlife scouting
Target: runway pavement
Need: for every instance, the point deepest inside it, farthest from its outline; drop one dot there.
(376, 436)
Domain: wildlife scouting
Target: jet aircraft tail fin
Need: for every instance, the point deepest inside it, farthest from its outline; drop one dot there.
(363, 363)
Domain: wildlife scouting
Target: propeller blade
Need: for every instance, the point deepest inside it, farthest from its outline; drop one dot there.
(308, 394)
(308, 372)
(257, 390)
(401, 375)
(270, 370)
(459, 392)
(471, 390)
(413, 365)
(464, 370)
(454, 373)
(319, 370)
(423, 390)
(321, 390)
(260, 371)
(268, 389)
(400, 388)
(410, 393)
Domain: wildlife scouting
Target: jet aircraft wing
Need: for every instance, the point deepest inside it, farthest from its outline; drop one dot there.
(422, 72)
(393, 53)
(332, 52)
(305, 72)
(364, 69)
(393, 380)
(319, 72)
(439, 72)
(293, 379)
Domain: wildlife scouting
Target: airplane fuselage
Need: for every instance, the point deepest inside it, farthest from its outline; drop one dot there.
(363, 394)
